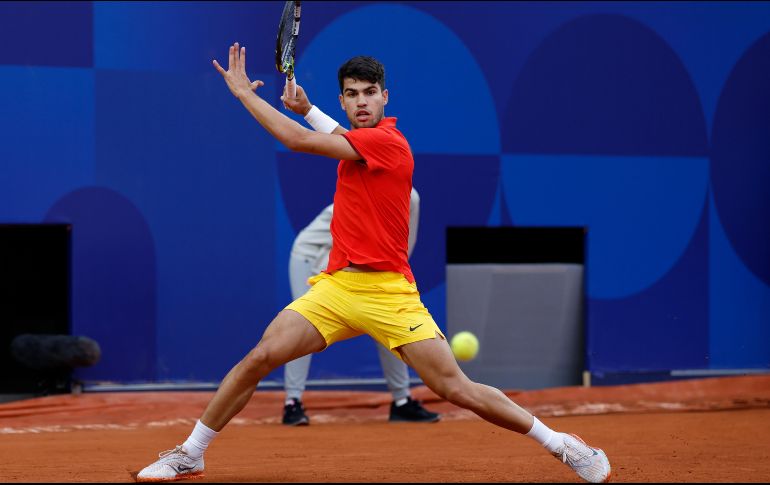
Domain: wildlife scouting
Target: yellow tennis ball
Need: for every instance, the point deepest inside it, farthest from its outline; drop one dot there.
(465, 346)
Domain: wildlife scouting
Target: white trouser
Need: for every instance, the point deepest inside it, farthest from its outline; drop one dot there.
(295, 372)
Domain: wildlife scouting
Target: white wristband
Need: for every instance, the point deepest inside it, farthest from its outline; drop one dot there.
(320, 121)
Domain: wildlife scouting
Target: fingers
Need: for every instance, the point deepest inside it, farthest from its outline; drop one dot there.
(235, 75)
(239, 52)
(295, 104)
(236, 59)
(297, 91)
(285, 98)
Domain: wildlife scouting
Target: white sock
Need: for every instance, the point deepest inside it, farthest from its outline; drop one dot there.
(401, 402)
(199, 440)
(548, 438)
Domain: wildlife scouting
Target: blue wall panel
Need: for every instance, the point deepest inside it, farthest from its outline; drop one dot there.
(114, 282)
(604, 84)
(645, 122)
(739, 305)
(654, 329)
(194, 169)
(46, 33)
(47, 132)
(180, 36)
(740, 168)
(641, 212)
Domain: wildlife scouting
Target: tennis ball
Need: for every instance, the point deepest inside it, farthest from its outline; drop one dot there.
(465, 346)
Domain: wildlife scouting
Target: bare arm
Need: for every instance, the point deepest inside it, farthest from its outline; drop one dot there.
(414, 220)
(301, 105)
(293, 135)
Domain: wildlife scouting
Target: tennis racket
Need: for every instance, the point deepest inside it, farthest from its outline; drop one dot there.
(286, 44)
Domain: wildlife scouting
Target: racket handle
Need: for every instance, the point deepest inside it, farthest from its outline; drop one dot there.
(291, 87)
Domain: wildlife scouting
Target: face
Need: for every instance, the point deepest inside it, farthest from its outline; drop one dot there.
(364, 102)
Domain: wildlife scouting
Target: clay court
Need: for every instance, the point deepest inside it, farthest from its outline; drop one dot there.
(658, 432)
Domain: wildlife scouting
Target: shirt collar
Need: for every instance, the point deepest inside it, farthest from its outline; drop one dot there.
(387, 121)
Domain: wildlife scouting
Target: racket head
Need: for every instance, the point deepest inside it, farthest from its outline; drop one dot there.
(286, 41)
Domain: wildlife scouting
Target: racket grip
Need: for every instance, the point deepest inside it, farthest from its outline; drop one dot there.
(291, 87)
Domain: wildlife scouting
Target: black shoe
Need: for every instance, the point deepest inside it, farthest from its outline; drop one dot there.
(412, 412)
(294, 414)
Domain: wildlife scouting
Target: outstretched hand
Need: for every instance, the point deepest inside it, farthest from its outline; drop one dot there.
(235, 76)
(299, 104)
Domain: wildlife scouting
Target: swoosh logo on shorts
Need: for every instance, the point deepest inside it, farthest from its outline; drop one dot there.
(412, 329)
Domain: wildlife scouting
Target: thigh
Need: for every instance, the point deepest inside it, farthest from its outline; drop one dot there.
(433, 361)
(290, 336)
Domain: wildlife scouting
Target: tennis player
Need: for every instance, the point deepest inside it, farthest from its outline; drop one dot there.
(310, 256)
(368, 286)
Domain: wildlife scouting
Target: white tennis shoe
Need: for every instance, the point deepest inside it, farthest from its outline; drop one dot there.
(173, 465)
(591, 464)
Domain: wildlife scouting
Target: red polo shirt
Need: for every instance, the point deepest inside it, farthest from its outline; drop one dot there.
(370, 224)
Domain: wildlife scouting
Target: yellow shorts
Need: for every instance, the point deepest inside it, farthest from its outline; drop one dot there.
(383, 305)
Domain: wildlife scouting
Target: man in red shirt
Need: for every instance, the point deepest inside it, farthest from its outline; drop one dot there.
(368, 287)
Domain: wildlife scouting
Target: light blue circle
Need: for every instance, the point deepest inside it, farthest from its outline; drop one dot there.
(436, 87)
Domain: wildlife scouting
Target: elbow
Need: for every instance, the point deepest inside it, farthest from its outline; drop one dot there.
(298, 142)
(292, 144)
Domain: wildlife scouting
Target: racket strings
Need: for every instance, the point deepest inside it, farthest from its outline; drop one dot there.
(288, 30)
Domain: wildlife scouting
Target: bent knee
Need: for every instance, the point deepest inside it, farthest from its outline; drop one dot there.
(258, 358)
(457, 392)
(458, 396)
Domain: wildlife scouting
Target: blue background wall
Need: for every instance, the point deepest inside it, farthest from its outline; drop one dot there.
(647, 123)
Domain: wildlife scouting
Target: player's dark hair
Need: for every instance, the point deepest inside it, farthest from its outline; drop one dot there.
(362, 68)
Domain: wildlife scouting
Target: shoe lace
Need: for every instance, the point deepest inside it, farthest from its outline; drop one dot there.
(177, 449)
(573, 455)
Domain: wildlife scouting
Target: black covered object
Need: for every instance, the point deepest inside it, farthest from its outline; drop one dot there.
(43, 352)
(35, 288)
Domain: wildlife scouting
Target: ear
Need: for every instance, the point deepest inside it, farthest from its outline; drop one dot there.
(342, 105)
(385, 96)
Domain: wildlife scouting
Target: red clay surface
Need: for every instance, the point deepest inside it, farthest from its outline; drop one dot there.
(707, 430)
